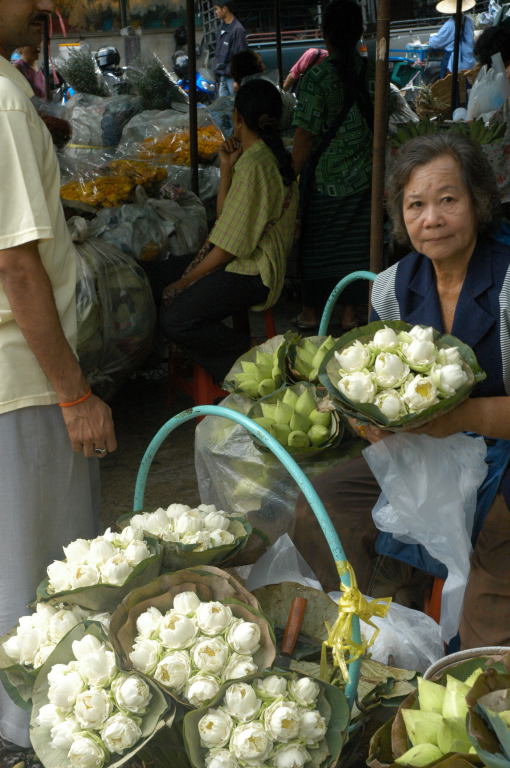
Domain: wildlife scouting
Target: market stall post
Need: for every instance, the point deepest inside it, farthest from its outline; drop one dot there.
(456, 52)
(192, 74)
(380, 134)
(123, 5)
(278, 28)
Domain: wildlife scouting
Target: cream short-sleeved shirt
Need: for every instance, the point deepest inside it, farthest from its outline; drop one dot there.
(30, 209)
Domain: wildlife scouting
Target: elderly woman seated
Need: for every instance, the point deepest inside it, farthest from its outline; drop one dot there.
(444, 203)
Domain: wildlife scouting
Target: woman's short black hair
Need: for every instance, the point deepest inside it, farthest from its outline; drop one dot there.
(494, 40)
(342, 24)
(475, 168)
(244, 64)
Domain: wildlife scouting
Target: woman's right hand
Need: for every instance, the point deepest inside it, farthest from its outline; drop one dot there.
(367, 431)
(229, 153)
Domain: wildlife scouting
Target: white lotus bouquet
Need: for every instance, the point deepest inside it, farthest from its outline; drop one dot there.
(96, 573)
(86, 710)
(394, 375)
(25, 648)
(191, 631)
(276, 720)
(192, 536)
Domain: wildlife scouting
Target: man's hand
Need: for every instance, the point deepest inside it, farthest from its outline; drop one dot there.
(229, 153)
(90, 427)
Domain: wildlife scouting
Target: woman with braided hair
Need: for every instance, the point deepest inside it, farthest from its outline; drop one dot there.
(249, 243)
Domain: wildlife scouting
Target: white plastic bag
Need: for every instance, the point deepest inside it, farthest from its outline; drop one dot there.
(429, 487)
(490, 90)
(282, 562)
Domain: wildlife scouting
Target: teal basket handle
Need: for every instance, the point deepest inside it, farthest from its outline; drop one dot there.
(294, 470)
(362, 274)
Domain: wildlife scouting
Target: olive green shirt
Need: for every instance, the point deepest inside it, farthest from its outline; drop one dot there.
(252, 226)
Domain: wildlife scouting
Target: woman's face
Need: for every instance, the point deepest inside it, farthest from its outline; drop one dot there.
(439, 213)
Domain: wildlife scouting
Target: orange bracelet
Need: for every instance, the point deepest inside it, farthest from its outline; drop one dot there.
(77, 402)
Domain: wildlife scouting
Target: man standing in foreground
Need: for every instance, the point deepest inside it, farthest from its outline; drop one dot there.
(231, 39)
(51, 425)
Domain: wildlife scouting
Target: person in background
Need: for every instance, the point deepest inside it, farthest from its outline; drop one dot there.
(52, 427)
(244, 262)
(332, 152)
(245, 64)
(445, 39)
(27, 65)
(308, 59)
(231, 39)
(494, 40)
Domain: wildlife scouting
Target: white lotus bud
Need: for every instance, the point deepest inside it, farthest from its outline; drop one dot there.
(210, 654)
(186, 603)
(120, 733)
(92, 708)
(65, 687)
(128, 534)
(419, 393)
(220, 538)
(148, 622)
(389, 370)
(87, 646)
(173, 671)
(101, 618)
(221, 758)
(422, 333)
(385, 339)
(207, 509)
(135, 552)
(100, 551)
(177, 631)
(215, 520)
(77, 551)
(83, 575)
(241, 702)
(244, 636)
(214, 728)
(420, 354)
(156, 522)
(449, 356)
(213, 618)
(12, 648)
(61, 623)
(43, 654)
(64, 733)
(201, 689)
(86, 752)
(199, 540)
(30, 640)
(312, 726)
(354, 358)
(359, 387)
(449, 378)
(281, 720)
(250, 743)
(145, 654)
(137, 523)
(189, 522)
(99, 669)
(44, 612)
(291, 756)
(271, 687)
(174, 511)
(304, 690)
(59, 576)
(131, 693)
(115, 570)
(391, 405)
(49, 715)
(239, 666)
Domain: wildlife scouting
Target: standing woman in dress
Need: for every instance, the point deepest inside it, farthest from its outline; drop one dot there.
(332, 152)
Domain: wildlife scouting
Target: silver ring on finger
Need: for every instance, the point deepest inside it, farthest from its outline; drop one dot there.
(100, 452)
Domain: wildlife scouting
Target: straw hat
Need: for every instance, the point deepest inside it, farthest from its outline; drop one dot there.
(450, 6)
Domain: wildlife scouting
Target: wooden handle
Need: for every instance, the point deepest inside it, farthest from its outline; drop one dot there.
(294, 624)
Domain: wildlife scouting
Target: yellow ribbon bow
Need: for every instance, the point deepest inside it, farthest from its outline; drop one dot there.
(351, 603)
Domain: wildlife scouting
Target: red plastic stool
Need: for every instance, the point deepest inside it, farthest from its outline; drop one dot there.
(433, 602)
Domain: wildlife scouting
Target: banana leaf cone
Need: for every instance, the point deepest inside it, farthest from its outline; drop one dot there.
(270, 356)
(300, 422)
(106, 597)
(177, 556)
(209, 583)
(331, 703)
(303, 360)
(159, 714)
(489, 716)
(368, 412)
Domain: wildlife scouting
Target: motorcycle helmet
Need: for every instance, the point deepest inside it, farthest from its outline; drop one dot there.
(181, 62)
(107, 57)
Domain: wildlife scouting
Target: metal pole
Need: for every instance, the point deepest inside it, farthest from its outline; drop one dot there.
(380, 134)
(278, 28)
(192, 74)
(46, 55)
(454, 102)
(123, 4)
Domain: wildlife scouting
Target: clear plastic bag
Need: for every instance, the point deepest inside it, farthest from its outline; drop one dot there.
(115, 309)
(429, 488)
(490, 90)
(282, 562)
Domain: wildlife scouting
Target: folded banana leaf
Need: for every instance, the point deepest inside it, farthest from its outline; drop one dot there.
(159, 712)
(368, 412)
(208, 583)
(277, 348)
(489, 718)
(106, 597)
(331, 703)
(177, 556)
